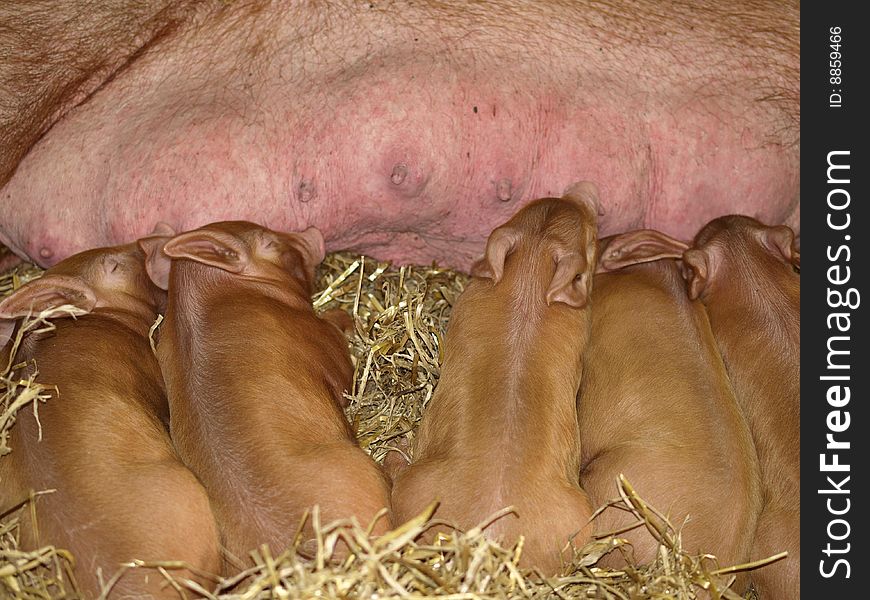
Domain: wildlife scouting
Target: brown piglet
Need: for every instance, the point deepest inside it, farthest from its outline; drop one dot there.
(255, 382)
(743, 272)
(656, 405)
(101, 440)
(501, 428)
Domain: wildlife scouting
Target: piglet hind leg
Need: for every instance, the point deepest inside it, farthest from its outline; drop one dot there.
(552, 519)
(778, 530)
(565, 512)
(348, 483)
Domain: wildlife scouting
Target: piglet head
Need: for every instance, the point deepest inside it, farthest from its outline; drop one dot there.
(241, 248)
(552, 238)
(110, 278)
(735, 244)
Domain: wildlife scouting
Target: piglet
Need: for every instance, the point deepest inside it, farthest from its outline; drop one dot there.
(255, 382)
(501, 429)
(121, 491)
(744, 274)
(656, 405)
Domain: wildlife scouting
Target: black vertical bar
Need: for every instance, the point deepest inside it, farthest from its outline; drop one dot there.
(834, 363)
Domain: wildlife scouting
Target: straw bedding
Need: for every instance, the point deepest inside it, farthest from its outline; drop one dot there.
(401, 316)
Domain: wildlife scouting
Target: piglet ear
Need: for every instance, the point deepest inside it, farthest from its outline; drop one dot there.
(570, 284)
(313, 248)
(214, 248)
(780, 241)
(584, 193)
(157, 263)
(634, 247)
(696, 272)
(49, 291)
(500, 244)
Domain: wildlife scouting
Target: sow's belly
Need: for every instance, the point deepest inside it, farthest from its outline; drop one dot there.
(406, 143)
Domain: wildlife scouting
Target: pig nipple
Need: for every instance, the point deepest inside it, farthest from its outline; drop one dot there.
(400, 171)
(306, 191)
(503, 190)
